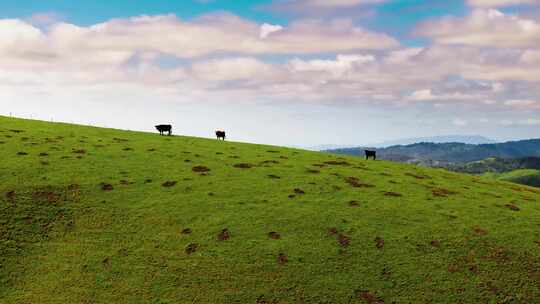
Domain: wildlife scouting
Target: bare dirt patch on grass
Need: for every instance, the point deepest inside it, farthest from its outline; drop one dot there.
(337, 163)
(282, 259)
(392, 194)
(192, 248)
(243, 166)
(368, 297)
(479, 231)
(417, 176)
(379, 242)
(224, 235)
(299, 191)
(274, 235)
(356, 183)
(344, 240)
(200, 169)
(106, 187)
(354, 204)
(442, 192)
(512, 207)
(169, 184)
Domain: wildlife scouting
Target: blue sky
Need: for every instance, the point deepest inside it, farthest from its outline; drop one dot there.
(291, 72)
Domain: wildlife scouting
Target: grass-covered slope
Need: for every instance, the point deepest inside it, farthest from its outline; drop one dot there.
(91, 215)
(529, 177)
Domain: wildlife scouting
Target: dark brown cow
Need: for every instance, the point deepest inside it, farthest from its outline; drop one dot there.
(370, 153)
(164, 128)
(220, 135)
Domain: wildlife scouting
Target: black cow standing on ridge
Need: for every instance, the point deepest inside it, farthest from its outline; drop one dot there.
(220, 134)
(370, 153)
(164, 128)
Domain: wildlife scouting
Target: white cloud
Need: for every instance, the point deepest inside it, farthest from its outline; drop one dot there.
(460, 122)
(498, 3)
(484, 27)
(427, 95)
(267, 29)
(523, 103)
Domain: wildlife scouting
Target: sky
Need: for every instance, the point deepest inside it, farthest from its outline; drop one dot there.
(284, 72)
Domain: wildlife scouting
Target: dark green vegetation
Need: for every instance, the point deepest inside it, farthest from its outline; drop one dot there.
(442, 153)
(91, 215)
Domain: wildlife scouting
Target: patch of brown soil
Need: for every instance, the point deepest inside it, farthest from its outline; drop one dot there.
(512, 207)
(186, 231)
(191, 248)
(200, 169)
(435, 243)
(243, 166)
(282, 259)
(266, 162)
(355, 182)
(442, 192)
(168, 184)
(344, 240)
(49, 196)
(354, 204)
(299, 191)
(368, 297)
(479, 231)
(274, 235)
(106, 187)
(224, 235)
(332, 231)
(11, 195)
(417, 176)
(337, 163)
(392, 194)
(379, 242)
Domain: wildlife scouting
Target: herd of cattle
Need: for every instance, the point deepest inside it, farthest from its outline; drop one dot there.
(220, 134)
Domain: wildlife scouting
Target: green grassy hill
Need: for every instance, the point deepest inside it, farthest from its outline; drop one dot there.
(90, 215)
(529, 177)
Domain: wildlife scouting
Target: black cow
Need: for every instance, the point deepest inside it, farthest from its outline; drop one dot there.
(220, 135)
(164, 128)
(370, 153)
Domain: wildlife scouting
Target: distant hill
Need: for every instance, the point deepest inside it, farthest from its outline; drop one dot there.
(465, 139)
(529, 177)
(435, 154)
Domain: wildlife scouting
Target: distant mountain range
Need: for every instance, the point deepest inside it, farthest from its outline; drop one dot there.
(466, 139)
(435, 154)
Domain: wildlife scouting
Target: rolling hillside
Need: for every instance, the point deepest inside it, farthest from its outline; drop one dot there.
(443, 153)
(90, 215)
